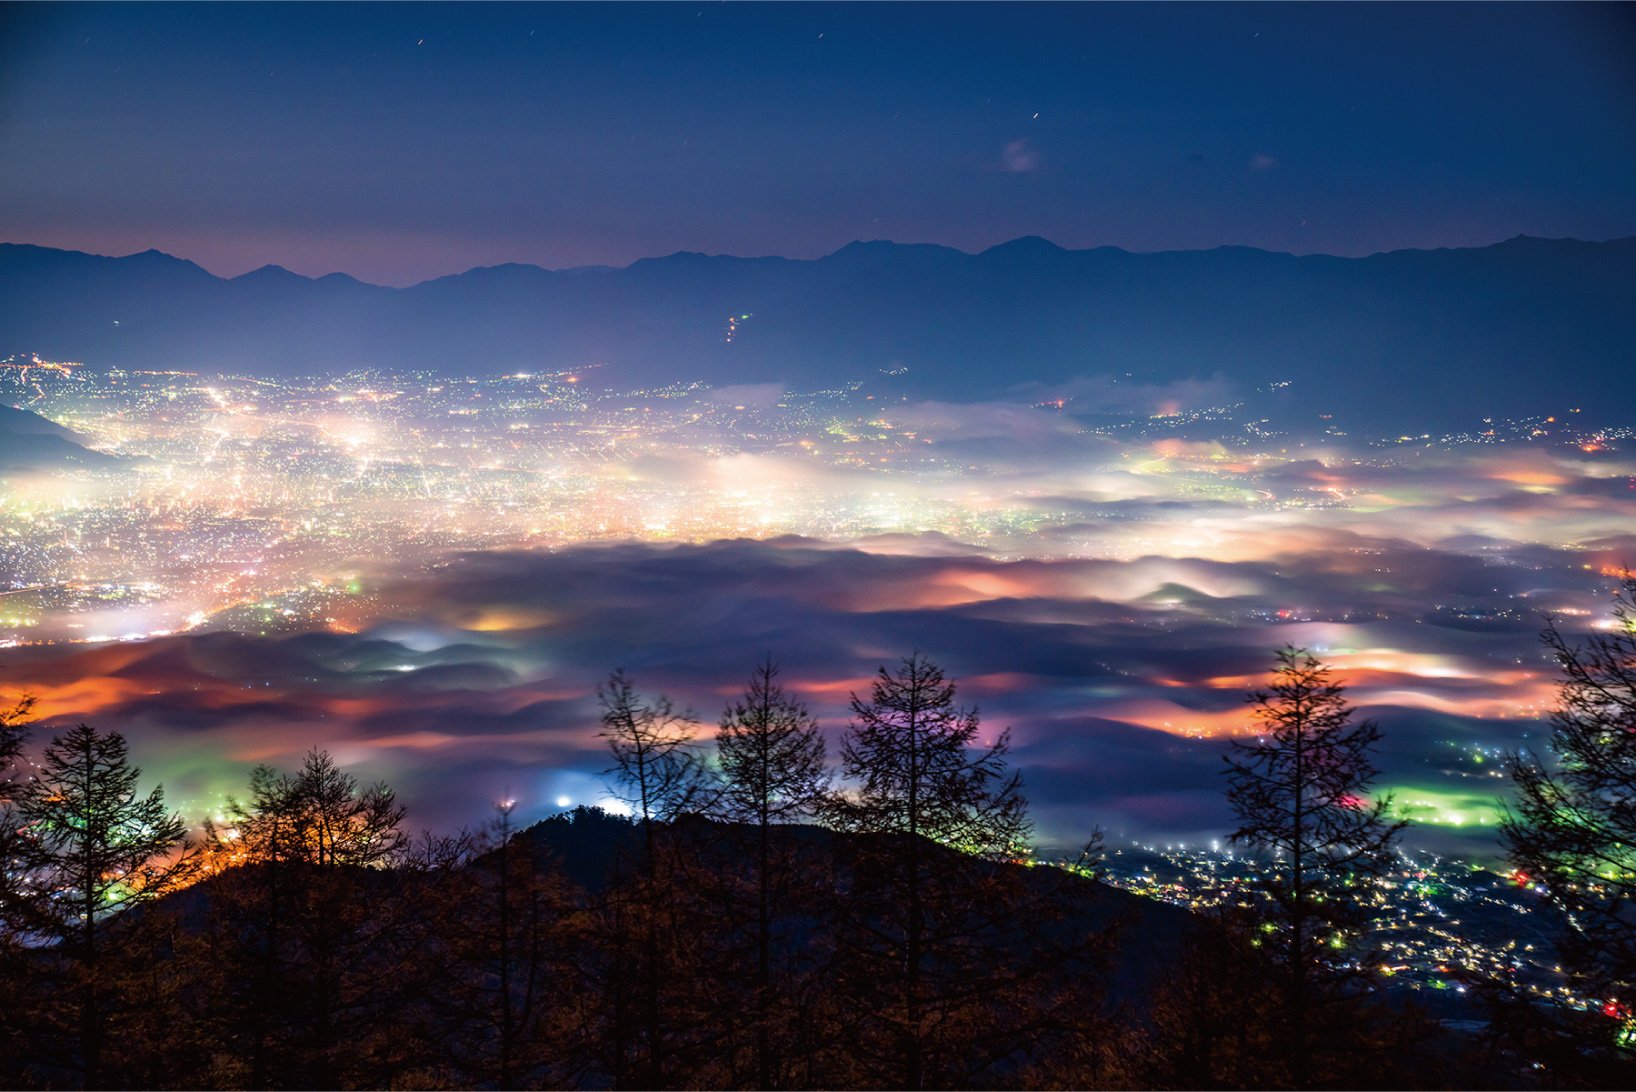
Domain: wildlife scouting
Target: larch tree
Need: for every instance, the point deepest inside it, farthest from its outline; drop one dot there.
(311, 956)
(92, 847)
(1573, 826)
(771, 756)
(656, 770)
(1301, 793)
(919, 771)
(658, 773)
(318, 815)
(15, 715)
(921, 778)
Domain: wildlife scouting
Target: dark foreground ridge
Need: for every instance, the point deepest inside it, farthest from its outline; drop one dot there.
(526, 966)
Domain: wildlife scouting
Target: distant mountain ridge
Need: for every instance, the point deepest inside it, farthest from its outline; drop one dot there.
(1408, 337)
(29, 443)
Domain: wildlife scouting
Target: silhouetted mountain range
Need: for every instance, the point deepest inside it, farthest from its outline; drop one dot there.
(1408, 337)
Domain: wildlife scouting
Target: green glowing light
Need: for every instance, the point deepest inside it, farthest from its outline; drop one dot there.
(1444, 808)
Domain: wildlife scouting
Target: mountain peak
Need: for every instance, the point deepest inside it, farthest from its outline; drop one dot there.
(882, 248)
(1024, 246)
(155, 258)
(865, 245)
(1541, 242)
(270, 272)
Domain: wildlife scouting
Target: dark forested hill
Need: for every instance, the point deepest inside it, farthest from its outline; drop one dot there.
(585, 954)
(28, 442)
(1406, 336)
(593, 850)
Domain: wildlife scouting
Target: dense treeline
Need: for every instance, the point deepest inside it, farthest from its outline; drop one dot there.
(750, 924)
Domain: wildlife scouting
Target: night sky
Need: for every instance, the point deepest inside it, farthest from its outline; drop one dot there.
(1109, 593)
(399, 143)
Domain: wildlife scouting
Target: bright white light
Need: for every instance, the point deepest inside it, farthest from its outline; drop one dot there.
(563, 801)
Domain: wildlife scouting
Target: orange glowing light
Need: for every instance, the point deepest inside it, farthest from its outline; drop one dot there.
(999, 682)
(85, 697)
(1530, 477)
(1215, 682)
(501, 619)
(961, 586)
(1178, 720)
(836, 688)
